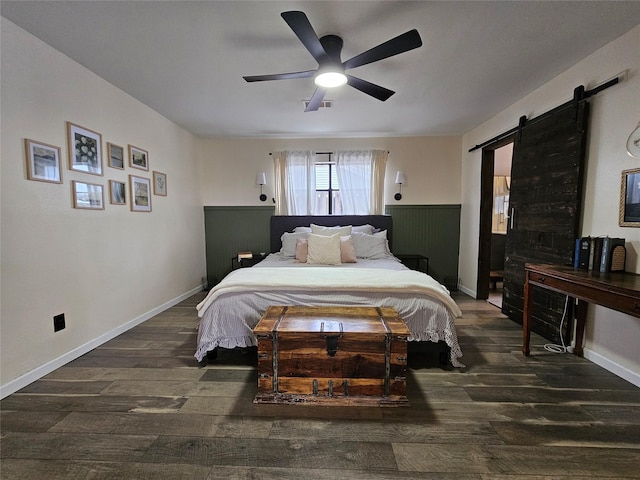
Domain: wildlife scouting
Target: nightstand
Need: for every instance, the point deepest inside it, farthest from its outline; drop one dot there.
(415, 261)
(247, 262)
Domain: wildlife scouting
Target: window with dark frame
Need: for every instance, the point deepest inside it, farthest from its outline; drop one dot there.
(328, 201)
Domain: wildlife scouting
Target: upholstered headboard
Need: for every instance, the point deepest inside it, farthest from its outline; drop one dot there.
(285, 223)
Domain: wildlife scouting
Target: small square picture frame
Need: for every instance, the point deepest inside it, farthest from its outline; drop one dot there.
(629, 215)
(115, 154)
(139, 193)
(138, 158)
(85, 149)
(87, 196)
(43, 161)
(117, 192)
(159, 183)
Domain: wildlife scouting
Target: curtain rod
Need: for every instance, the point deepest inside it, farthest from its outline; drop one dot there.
(584, 95)
(325, 153)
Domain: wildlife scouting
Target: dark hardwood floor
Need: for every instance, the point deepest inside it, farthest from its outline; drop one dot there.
(140, 407)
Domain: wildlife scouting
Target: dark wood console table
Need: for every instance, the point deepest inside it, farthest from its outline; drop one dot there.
(619, 291)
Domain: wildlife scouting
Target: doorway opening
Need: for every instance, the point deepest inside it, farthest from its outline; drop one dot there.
(494, 218)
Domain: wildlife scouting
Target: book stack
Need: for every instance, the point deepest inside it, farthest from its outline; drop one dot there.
(244, 255)
(597, 254)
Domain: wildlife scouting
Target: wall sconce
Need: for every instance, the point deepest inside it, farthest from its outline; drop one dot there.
(400, 180)
(261, 179)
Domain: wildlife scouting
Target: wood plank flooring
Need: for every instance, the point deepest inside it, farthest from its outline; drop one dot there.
(140, 407)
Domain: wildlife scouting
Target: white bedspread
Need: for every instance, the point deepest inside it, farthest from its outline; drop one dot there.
(329, 279)
(234, 306)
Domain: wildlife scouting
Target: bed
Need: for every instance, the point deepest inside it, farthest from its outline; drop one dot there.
(303, 268)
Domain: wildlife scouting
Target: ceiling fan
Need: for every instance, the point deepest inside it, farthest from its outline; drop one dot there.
(331, 70)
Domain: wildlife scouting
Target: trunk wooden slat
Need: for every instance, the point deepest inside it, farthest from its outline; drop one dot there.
(332, 355)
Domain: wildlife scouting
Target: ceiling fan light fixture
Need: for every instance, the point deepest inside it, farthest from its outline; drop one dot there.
(330, 79)
(326, 50)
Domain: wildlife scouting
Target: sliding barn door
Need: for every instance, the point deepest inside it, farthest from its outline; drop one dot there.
(545, 201)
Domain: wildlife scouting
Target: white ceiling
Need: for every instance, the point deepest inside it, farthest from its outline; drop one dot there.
(186, 59)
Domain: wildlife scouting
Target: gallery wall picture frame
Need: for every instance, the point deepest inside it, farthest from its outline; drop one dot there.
(630, 198)
(117, 192)
(140, 193)
(88, 196)
(85, 149)
(115, 154)
(159, 184)
(43, 161)
(138, 158)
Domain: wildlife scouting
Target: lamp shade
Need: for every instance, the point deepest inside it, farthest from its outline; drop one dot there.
(261, 179)
(400, 177)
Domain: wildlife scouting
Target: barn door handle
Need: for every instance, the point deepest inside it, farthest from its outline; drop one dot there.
(512, 217)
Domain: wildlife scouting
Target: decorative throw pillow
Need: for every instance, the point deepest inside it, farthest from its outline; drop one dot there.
(289, 240)
(302, 250)
(347, 250)
(323, 250)
(320, 230)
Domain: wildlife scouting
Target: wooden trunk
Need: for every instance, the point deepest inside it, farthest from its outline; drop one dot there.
(332, 355)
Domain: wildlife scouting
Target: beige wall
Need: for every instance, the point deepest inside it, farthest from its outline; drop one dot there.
(611, 338)
(103, 269)
(431, 166)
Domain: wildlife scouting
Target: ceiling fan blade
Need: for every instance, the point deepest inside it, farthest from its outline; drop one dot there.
(280, 76)
(369, 88)
(316, 100)
(301, 26)
(400, 44)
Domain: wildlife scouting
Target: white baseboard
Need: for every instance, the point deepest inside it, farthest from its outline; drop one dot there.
(39, 372)
(469, 292)
(613, 367)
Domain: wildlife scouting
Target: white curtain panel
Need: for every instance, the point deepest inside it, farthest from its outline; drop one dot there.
(361, 177)
(295, 182)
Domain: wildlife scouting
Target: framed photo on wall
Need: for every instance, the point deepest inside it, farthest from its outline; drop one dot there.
(115, 154)
(85, 149)
(87, 195)
(140, 191)
(43, 161)
(117, 192)
(630, 198)
(159, 184)
(138, 158)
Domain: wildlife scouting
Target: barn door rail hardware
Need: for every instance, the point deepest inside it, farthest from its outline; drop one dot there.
(579, 95)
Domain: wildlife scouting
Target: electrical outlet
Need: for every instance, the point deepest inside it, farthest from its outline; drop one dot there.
(58, 322)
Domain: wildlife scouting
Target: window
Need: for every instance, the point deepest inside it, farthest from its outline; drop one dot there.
(340, 183)
(328, 201)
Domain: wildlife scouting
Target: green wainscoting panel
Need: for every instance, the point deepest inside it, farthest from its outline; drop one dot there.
(430, 230)
(229, 230)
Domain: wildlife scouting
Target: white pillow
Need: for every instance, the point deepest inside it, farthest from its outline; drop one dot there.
(288, 249)
(302, 230)
(368, 229)
(373, 246)
(320, 230)
(323, 249)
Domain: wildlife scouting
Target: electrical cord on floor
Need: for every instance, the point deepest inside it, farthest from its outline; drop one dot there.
(554, 347)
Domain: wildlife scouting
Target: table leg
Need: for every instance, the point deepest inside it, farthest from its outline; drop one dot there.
(581, 317)
(526, 316)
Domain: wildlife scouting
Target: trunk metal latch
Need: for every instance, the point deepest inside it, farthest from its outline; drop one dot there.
(332, 340)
